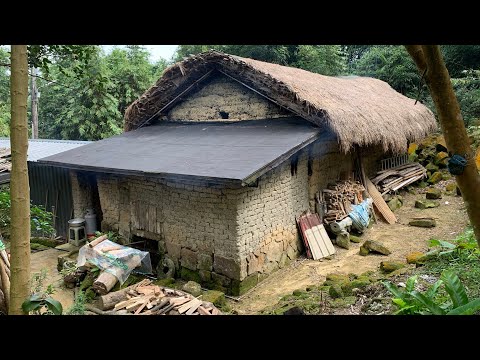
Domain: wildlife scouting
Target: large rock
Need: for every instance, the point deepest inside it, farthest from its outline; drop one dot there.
(336, 278)
(423, 204)
(395, 204)
(363, 251)
(355, 239)
(423, 222)
(415, 257)
(435, 178)
(441, 159)
(226, 266)
(451, 187)
(343, 240)
(433, 194)
(188, 259)
(193, 288)
(375, 246)
(217, 298)
(205, 262)
(389, 266)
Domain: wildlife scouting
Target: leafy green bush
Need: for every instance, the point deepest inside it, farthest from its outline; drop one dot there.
(413, 302)
(41, 220)
(40, 298)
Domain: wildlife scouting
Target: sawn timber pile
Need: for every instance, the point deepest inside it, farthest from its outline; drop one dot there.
(393, 179)
(145, 298)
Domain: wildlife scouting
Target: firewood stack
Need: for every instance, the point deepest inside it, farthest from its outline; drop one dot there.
(144, 298)
(393, 179)
(339, 198)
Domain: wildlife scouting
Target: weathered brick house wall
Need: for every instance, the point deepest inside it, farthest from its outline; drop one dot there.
(226, 238)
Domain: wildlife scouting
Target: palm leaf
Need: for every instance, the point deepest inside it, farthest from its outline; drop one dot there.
(467, 309)
(428, 303)
(410, 285)
(393, 289)
(454, 288)
(432, 291)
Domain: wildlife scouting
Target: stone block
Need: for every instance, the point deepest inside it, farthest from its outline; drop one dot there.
(173, 250)
(205, 262)
(226, 266)
(188, 259)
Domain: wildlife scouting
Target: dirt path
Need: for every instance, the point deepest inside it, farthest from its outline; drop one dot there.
(400, 238)
(47, 259)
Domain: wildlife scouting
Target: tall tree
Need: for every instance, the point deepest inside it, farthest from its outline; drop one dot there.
(19, 188)
(431, 65)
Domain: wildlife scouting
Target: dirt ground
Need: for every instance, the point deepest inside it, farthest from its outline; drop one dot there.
(400, 238)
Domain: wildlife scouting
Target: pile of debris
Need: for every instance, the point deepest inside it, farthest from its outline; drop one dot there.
(395, 178)
(145, 298)
(5, 160)
(335, 202)
(4, 279)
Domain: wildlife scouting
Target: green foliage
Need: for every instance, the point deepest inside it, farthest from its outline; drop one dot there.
(323, 59)
(411, 302)
(78, 307)
(131, 73)
(40, 298)
(4, 94)
(40, 219)
(459, 58)
(467, 90)
(392, 64)
(80, 108)
(463, 260)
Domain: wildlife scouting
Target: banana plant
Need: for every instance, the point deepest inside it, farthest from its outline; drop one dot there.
(411, 301)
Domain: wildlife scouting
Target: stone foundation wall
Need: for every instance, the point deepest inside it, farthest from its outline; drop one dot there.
(268, 238)
(224, 99)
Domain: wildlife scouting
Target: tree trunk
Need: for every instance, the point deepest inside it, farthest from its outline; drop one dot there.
(34, 101)
(104, 283)
(19, 188)
(429, 58)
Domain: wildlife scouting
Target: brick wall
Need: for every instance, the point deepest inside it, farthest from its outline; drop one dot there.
(223, 95)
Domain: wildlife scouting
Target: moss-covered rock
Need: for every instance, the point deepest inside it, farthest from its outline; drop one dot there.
(188, 275)
(297, 292)
(433, 194)
(246, 284)
(389, 266)
(38, 247)
(364, 251)
(376, 246)
(355, 239)
(336, 278)
(415, 257)
(343, 240)
(441, 159)
(394, 204)
(435, 177)
(451, 187)
(336, 291)
(44, 241)
(217, 298)
(423, 222)
(424, 204)
(193, 288)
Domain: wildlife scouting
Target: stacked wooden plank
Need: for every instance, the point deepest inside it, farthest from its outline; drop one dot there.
(339, 198)
(393, 179)
(315, 238)
(145, 298)
(5, 160)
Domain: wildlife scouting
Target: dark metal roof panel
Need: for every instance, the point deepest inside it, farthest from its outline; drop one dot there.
(212, 150)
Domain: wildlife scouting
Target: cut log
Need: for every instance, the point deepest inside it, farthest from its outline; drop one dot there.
(203, 311)
(97, 241)
(104, 283)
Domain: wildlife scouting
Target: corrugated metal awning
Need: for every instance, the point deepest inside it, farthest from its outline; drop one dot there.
(239, 151)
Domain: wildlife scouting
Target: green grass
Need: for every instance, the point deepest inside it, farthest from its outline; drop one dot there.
(464, 260)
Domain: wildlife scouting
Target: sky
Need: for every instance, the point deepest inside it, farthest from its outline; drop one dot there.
(156, 51)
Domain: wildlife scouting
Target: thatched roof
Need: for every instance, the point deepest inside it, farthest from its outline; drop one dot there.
(360, 110)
